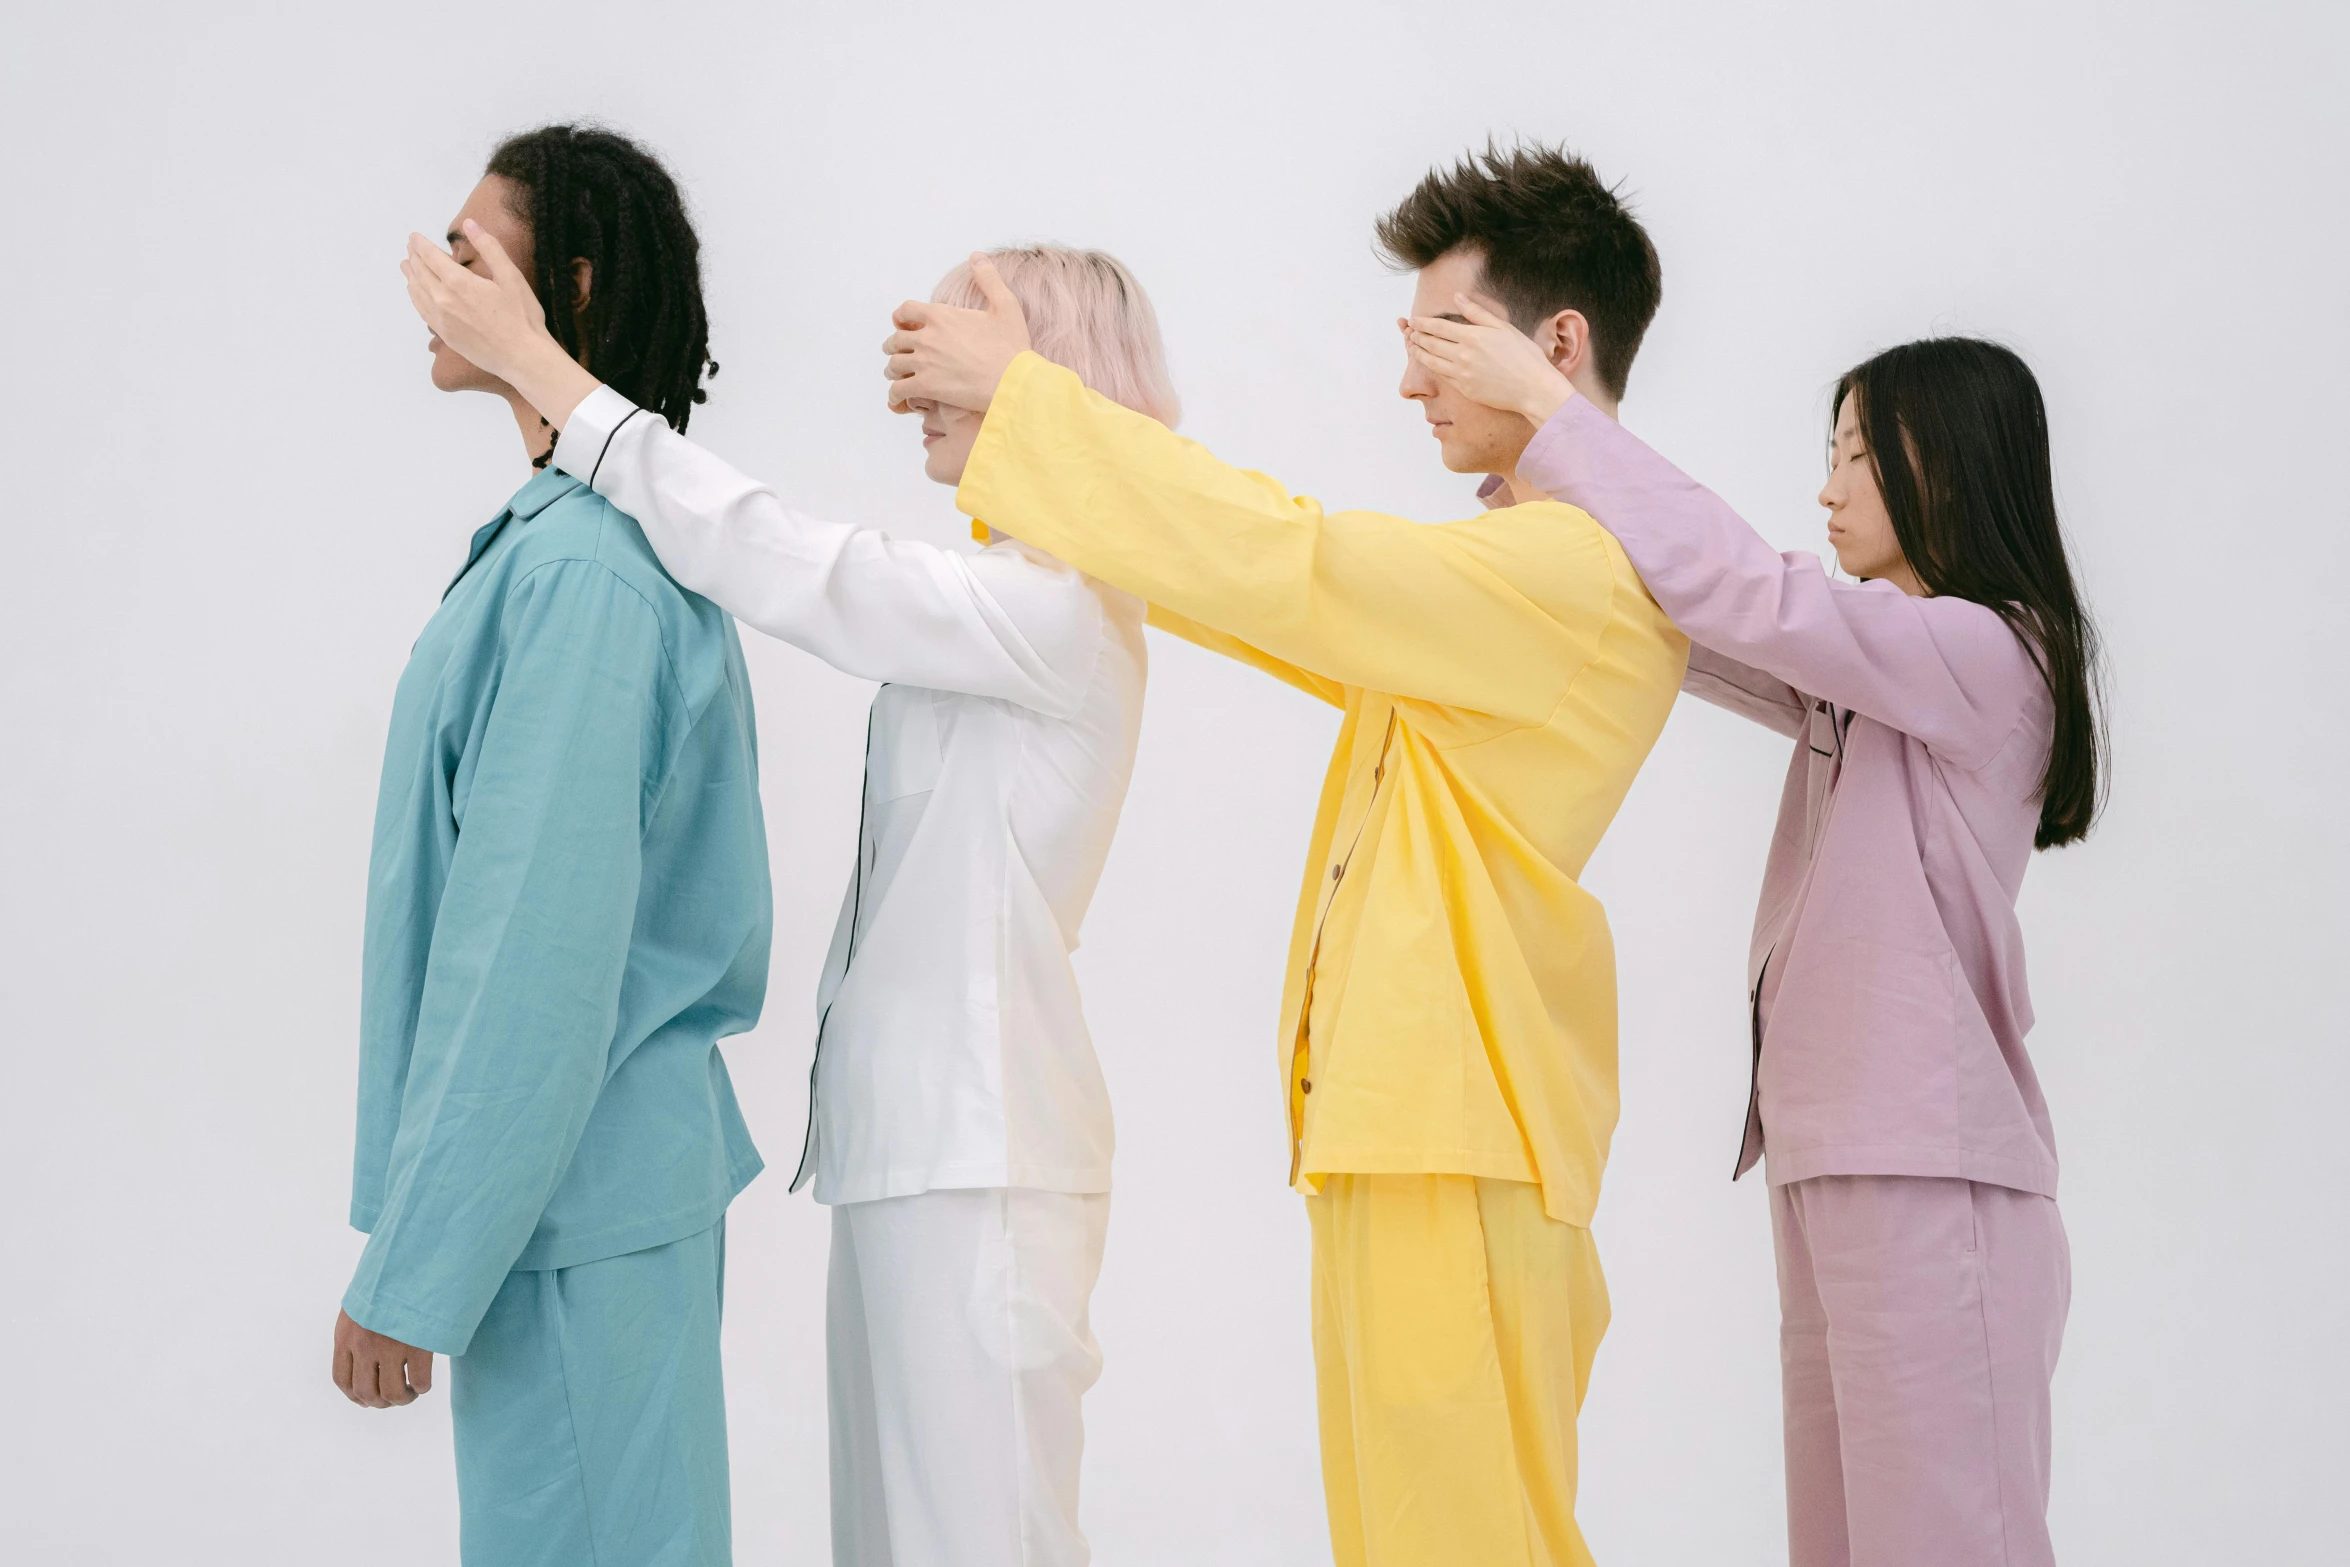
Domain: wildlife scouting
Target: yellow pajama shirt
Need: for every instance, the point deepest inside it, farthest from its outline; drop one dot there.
(1449, 1009)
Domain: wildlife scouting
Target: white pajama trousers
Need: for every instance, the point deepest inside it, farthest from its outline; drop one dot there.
(959, 1351)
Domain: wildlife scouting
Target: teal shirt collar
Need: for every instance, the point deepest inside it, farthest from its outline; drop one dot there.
(545, 488)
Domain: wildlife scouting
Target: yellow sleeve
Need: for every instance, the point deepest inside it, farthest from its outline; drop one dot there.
(1232, 647)
(1496, 614)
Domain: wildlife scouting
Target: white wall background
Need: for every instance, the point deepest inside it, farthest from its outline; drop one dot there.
(229, 498)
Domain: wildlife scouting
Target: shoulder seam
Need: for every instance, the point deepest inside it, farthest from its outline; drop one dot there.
(660, 634)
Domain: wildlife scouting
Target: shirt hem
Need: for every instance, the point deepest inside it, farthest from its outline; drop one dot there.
(2037, 1176)
(1079, 1180)
(1563, 1203)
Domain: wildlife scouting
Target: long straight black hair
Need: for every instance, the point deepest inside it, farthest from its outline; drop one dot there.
(1959, 437)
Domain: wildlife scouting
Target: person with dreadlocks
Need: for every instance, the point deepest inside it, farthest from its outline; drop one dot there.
(567, 906)
(958, 1124)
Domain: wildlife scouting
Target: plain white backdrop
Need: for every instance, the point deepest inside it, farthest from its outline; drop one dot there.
(230, 497)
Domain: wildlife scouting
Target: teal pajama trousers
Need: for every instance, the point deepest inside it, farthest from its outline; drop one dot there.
(591, 1416)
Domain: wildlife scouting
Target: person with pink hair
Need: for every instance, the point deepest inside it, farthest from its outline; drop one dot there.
(958, 1124)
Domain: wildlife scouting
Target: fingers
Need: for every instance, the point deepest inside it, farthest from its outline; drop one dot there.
(1442, 366)
(913, 314)
(420, 1370)
(1478, 313)
(422, 295)
(898, 343)
(1436, 327)
(992, 287)
(362, 1390)
(392, 1379)
(907, 388)
(435, 261)
(493, 254)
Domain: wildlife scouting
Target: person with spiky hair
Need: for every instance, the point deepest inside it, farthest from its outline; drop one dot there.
(1448, 1033)
(567, 906)
(1945, 709)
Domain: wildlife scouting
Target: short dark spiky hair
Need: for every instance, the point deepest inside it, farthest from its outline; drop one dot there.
(1553, 237)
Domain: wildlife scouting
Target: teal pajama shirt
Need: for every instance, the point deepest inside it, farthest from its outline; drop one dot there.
(567, 908)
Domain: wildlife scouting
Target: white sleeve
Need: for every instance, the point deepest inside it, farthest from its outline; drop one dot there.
(1004, 623)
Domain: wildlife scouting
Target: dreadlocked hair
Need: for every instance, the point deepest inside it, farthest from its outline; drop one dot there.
(592, 195)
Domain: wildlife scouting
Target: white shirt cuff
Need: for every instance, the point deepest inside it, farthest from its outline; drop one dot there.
(588, 433)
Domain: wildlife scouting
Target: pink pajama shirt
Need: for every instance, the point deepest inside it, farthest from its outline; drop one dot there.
(1923, 1271)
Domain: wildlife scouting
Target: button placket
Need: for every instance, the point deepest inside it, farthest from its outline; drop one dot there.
(1301, 1048)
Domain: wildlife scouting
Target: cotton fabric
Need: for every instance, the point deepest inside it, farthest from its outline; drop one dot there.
(1454, 1329)
(590, 1415)
(567, 908)
(1887, 961)
(1450, 1000)
(960, 1348)
(1920, 1323)
(953, 1050)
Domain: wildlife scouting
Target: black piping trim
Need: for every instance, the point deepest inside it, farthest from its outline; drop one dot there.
(616, 429)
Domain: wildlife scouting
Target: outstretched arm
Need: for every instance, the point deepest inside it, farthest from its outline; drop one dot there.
(1947, 671)
(999, 624)
(1495, 617)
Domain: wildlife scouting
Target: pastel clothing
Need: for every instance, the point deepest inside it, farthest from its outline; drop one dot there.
(1450, 1001)
(567, 908)
(590, 1415)
(1887, 962)
(1920, 1323)
(953, 1050)
(1454, 1328)
(959, 1353)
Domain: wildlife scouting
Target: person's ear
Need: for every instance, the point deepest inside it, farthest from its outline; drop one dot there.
(1565, 339)
(583, 277)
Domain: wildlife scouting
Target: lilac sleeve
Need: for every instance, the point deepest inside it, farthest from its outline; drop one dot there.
(1945, 670)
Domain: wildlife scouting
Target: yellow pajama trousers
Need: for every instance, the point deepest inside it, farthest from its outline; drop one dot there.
(1454, 1327)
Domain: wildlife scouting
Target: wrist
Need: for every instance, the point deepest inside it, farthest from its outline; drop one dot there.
(1544, 402)
(553, 382)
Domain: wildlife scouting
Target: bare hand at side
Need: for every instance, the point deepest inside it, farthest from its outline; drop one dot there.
(378, 1372)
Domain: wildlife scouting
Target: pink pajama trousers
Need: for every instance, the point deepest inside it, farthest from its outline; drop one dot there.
(1920, 1318)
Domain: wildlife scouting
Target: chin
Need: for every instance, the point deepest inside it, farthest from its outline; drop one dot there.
(1465, 459)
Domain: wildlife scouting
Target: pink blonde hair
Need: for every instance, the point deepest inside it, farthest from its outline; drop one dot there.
(1085, 311)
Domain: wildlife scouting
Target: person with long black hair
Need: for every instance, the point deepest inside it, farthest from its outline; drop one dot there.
(567, 906)
(1945, 715)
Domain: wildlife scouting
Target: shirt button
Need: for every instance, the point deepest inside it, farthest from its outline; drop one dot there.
(1337, 871)
(1305, 1085)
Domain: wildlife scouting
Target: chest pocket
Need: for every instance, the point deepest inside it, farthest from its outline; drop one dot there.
(905, 756)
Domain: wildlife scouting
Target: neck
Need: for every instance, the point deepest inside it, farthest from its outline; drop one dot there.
(1904, 576)
(537, 438)
(1592, 392)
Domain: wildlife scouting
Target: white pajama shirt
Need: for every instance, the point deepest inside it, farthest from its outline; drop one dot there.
(958, 1122)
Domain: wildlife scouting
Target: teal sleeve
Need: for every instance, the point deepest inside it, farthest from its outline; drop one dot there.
(522, 986)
